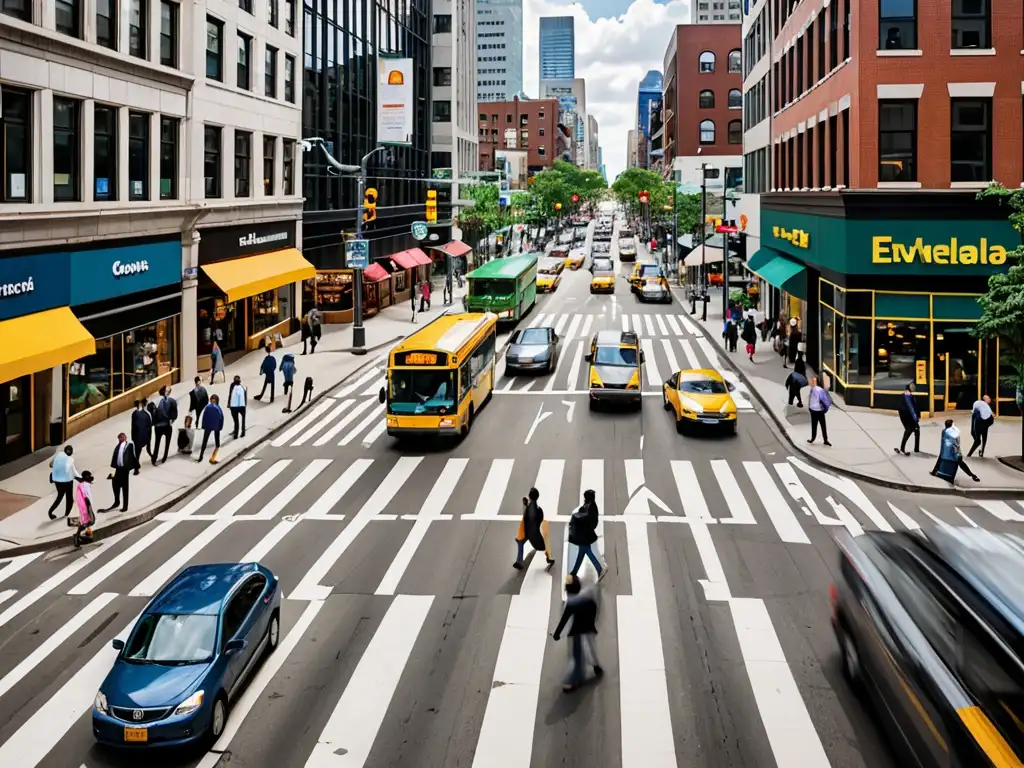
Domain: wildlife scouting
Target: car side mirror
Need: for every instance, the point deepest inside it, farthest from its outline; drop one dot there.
(382, 395)
(117, 644)
(235, 645)
(671, 383)
(554, 338)
(588, 357)
(730, 386)
(643, 358)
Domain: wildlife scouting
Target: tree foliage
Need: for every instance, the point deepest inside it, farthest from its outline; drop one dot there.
(633, 181)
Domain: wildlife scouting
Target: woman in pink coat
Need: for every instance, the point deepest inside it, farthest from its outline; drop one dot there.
(86, 509)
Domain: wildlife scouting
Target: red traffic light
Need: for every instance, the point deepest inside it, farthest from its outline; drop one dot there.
(575, 198)
(644, 197)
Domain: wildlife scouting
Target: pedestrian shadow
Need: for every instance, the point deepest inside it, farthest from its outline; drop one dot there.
(567, 704)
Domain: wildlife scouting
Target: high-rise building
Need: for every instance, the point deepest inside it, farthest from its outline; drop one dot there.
(648, 95)
(453, 127)
(592, 143)
(716, 11)
(631, 149)
(557, 48)
(572, 114)
(499, 49)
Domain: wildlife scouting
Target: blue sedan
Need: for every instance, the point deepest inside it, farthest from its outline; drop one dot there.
(187, 657)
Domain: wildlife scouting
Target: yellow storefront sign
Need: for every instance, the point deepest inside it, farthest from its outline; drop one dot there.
(797, 237)
(884, 250)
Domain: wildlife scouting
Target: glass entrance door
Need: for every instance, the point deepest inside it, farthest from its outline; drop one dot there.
(957, 358)
(15, 421)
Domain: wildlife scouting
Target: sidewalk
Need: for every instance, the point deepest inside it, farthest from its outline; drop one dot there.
(26, 496)
(864, 440)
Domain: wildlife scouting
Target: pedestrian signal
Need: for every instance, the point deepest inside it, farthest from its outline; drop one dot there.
(431, 205)
(369, 205)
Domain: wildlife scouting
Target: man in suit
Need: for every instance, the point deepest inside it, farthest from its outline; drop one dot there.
(123, 462)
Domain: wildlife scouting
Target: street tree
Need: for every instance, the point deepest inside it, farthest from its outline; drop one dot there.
(632, 182)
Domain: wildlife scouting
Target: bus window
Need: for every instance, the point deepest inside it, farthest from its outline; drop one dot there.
(421, 390)
(491, 287)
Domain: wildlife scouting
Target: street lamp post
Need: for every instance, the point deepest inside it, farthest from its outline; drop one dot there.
(358, 331)
(703, 239)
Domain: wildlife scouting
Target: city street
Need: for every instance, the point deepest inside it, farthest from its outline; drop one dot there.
(409, 641)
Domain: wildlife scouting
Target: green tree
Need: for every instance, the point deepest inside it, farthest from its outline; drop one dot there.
(633, 181)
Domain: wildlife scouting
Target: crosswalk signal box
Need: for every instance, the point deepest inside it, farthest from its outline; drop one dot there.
(369, 205)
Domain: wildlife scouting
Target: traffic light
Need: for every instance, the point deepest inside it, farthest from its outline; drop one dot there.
(369, 205)
(431, 205)
(575, 198)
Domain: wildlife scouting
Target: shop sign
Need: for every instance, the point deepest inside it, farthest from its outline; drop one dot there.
(223, 243)
(797, 237)
(887, 250)
(108, 273)
(921, 376)
(31, 284)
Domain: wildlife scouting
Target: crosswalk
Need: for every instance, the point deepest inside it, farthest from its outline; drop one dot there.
(416, 536)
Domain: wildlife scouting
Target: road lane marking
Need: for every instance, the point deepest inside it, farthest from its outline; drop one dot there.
(650, 364)
(431, 510)
(372, 436)
(735, 501)
(849, 489)
(661, 325)
(650, 325)
(574, 326)
(309, 473)
(673, 364)
(549, 486)
(17, 563)
(360, 382)
(337, 490)
(541, 415)
(695, 506)
(560, 325)
(495, 486)
(676, 331)
(775, 505)
(313, 424)
(217, 487)
(637, 323)
(246, 494)
(335, 430)
(537, 321)
(363, 425)
(577, 361)
(1000, 509)
(163, 573)
(691, 358)
(373, 389)
(625, 322)
(800, 495)
(112, 566)
(904, 518)
(586, 327)
(691, 326)
(550, 386)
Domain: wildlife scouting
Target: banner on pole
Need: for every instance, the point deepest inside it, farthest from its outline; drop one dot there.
(394, 101)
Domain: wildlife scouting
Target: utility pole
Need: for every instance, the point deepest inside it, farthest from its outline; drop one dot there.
(703, 238)
(358, 331)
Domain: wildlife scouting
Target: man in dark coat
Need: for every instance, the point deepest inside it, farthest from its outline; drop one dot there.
(268, 368)
(198, 398)
(123, 462)
(910, 417)
(581, 608)
(142, 427)
(532, 529)
(163, 420)
(583, 534)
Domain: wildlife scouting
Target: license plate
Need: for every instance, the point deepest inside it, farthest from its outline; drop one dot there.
(709, 421)
(525, 360)
(136, 735)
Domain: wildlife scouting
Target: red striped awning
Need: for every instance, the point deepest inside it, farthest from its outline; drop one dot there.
(456, 248)
(421, 258)
(405, 260)
(375, 273)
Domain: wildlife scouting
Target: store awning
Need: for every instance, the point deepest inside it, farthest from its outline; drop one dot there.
(405, 260)
(421, 258)
(374, 273)
(242, 278)
(777, 270)
(703, 255)
(34, 343)
(456, 248)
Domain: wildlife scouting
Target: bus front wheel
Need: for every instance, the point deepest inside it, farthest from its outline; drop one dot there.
(469, 422)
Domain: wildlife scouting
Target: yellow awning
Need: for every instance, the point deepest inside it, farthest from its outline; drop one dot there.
(34, 343)
(241, 278)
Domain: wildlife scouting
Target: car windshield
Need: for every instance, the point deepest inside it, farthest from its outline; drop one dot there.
(491, 287)
(534, 336)
(603, 272)
(603, 265)
(422, 390)
(617, 356)
(548, 269)
(172, 638)
(701, 385)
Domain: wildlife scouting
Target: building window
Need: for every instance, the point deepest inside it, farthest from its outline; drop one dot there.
(442, 23)
(245, 5)
(269, 156)
(706, 62)
(442, 76)
(19, 9)
(168, 33)
(138, 24)
(289, 79)
(443, 112)
(138, 156)
(971, 140)
(68, 21)
(242, 76)
(735, 132)
(270, 72)
(169, 158)
(272, 12)
(289, 17)
(211, 160)
(897, 25)
(971, 24)
(707, 131)
(67, 154)
(707, 99)
(735, 62)
(735, 99)
(288, 167)
(897, 140)
(214, 49)
(243, 164)
(104, 150)
(17, 137)
(106, 24)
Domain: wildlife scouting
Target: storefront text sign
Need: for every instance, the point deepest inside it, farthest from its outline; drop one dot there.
(225, 243)
(254, 239)
(110, 273)
(797, 237)
(32, 284)
(121, 269)
(887, 250)
(16, 289)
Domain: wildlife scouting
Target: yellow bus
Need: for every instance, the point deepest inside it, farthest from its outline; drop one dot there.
(440, 377)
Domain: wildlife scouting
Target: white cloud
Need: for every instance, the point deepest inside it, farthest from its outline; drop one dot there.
(613, 55)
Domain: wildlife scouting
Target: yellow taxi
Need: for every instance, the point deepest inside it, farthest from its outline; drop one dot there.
(602, 281)
(641, 272)
(699, 396)
(615, 361)
(549, 274)
(575, 258)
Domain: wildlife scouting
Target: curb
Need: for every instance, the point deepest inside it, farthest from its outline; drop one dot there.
(992, 493)
(128, 523)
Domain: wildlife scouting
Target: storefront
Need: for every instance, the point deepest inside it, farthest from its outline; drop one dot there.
(886, 288)
(247, 287)
(459, 253)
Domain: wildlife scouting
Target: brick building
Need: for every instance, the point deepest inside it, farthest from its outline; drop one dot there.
(523, 132)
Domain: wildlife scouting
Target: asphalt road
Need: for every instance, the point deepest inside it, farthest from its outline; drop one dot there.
(408, 641)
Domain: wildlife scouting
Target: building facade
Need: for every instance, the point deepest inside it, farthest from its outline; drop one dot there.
(572, 116)
(649, 94)
(631, 148)
(131, 142)
(521, 134)
(716, 11)
(885, 122)
(592, 143)
(557, 48)
(499, 43)
(453, 92)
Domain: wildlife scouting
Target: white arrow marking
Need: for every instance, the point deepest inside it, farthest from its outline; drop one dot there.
(541, 415)
(571, 405)
(641, 497)
(904, 518)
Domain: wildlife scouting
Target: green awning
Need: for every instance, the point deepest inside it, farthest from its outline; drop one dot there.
(759, 259)
(776, 269)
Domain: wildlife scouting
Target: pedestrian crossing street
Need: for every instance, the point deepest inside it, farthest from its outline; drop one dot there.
(407, 537)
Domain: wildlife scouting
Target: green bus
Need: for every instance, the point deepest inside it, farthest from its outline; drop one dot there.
(507, 287)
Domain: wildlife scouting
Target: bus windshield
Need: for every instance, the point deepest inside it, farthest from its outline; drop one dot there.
(616, 356)
(422, 390)
(491, 287)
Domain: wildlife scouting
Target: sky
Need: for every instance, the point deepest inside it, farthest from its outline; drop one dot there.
(617, 42)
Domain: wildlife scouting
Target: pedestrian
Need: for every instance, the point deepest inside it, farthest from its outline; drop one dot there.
(268, 368)
(533, 528)
(211, 421)
(951, 458)
(197, 398)
(307, 391)
(425, 295)
(123, 462)
(731, 334)
(583, 535)
(311, 330)
(63, 475)
(142, 428)
(750, 335)
(981, 419)
(186, 437)
(86, 517)
(778, 337)
(793, 341)
(796, 381)
(288, 374)
(237, 403)
(412, 296)
(163, 421)
(580, 608)
(818, 403)
(217, 363)
(910, 417)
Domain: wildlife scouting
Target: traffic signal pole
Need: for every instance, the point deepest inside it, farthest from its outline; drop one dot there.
(358, 331)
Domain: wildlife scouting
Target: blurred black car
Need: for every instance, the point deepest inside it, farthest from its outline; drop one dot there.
(931, 630)
(532, 349)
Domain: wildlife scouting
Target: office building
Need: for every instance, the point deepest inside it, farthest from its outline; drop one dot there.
(453, 147)
(499, 44)
(717, 11)
(631, 148)
(518, 135)
(592, 143)
(648, 95)
(882, 132)
(557, 48)
(132, 146)
(572, 113)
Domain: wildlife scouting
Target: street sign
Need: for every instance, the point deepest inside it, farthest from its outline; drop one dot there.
(357, 254)
(504, 199)
(190, 273)
(419, 230)
(442, 173)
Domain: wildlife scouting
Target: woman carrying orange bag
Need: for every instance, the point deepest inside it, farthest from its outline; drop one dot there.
(533, 528)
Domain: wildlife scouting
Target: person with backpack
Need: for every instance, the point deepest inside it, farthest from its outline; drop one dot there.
(163, 420)
(533, 528)
(583, 535)
(818, 403)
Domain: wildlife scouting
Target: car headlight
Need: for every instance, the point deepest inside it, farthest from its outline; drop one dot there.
(724, 408)
(446, 423)
(100, 703)
(634, 383)
(690, 404)
(190, 705)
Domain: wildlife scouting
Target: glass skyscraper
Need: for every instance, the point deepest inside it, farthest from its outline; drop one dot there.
(499, 49)
(557, 48)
